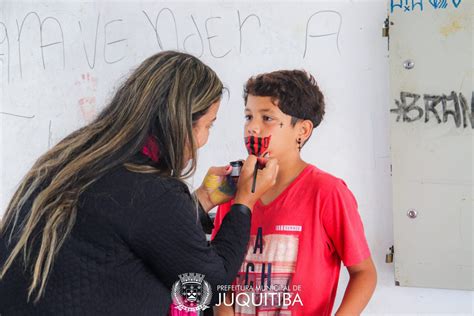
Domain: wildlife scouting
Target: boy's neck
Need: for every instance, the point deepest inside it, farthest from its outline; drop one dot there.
(288, 171)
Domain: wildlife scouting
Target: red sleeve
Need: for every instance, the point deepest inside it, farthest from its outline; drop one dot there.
(343, 225)
(222, 210)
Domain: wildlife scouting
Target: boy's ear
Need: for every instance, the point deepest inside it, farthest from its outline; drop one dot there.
(305, 130)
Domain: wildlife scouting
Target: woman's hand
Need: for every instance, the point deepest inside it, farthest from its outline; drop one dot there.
(215, 188)
(266, 178)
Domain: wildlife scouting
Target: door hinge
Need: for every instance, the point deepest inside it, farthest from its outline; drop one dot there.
(386, 27)
(389, 255)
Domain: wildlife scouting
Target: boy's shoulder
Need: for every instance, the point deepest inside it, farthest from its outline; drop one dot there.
(324, 181)
(331, 190)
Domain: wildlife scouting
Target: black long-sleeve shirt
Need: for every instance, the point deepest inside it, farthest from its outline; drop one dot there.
(134, 234)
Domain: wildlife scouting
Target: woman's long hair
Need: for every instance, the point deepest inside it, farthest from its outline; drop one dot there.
(162, 98)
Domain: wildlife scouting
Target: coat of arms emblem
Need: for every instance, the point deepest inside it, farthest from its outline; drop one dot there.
(191, 292)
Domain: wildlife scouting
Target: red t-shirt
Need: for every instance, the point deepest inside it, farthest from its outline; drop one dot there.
(296, 246)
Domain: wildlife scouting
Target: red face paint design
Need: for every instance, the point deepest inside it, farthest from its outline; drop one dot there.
(257, 146)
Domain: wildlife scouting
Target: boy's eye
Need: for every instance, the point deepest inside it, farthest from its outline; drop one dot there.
(267, 118)
(248, 117)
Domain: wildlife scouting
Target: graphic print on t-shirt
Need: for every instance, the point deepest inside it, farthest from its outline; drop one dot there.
(267, 269)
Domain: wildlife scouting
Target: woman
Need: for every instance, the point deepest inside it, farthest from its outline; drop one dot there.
(103, 223)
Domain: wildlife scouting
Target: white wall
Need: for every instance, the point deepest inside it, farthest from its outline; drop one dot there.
(351, 67)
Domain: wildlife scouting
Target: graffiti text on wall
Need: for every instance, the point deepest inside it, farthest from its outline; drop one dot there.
(415, 5)
(446, 109)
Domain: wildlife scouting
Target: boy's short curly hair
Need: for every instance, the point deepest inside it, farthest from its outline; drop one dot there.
(295, 92)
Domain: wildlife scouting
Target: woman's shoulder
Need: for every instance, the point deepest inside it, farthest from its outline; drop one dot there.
(123, 184)
(149, 179)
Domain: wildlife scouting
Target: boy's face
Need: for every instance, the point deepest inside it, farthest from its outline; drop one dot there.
(263, 118)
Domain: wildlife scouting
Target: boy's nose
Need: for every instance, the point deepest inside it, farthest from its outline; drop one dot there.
(252, 132)
(253, 129)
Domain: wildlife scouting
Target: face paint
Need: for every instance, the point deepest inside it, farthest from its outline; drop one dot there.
(236, 168)
(219, 188)
(229, 187)
(257, 146)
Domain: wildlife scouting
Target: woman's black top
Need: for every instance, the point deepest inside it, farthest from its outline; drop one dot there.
(134, 234)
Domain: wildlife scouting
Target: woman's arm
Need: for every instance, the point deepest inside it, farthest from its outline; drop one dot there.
(363, 279)
(168, 237)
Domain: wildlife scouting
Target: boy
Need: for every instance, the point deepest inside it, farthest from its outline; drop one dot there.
(306, 224)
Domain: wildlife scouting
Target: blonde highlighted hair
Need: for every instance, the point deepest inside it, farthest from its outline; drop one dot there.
(163, 97)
